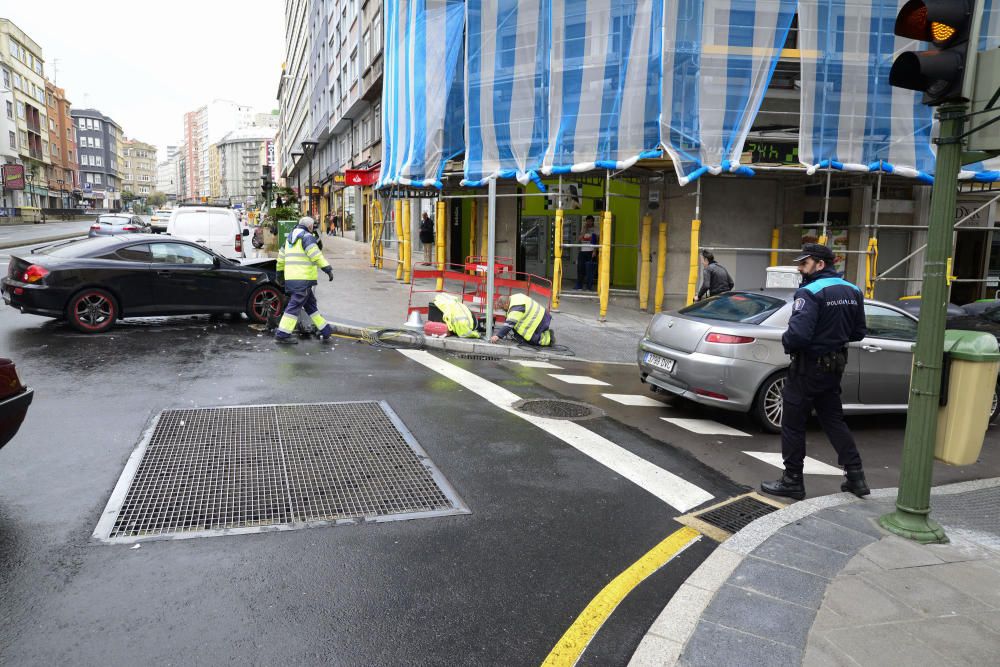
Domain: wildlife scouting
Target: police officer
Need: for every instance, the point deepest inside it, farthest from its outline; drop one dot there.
(298, 261)
(827, 313)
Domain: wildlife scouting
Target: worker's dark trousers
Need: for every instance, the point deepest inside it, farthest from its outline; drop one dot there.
(803, 393)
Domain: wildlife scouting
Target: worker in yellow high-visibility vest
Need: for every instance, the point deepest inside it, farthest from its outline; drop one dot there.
(298, 261)
(527, 319)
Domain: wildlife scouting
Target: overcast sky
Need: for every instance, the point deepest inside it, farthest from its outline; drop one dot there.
(145, 63)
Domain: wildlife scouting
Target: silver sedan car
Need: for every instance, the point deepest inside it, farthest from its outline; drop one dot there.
(726, 352)
(118, 223)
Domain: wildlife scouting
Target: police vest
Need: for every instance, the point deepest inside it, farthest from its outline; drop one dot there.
(525, 323)
(297, 262)
(457, 316)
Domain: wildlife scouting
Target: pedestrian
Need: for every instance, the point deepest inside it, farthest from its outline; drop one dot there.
(714, 277)
(827, 313)
(427, 237)
(527, 319)
(586, 264)
(331, 224)
(298, 261)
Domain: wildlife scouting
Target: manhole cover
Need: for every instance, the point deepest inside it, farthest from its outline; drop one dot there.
(478, 357)
(722, 520)
(246, 469)
(557, 409)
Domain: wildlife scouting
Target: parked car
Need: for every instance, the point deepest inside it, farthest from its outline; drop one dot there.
(158, 221)
(118, 223)
(912, 306)
(726, 352)
(14, 401)
(94, 282)
(215, 227)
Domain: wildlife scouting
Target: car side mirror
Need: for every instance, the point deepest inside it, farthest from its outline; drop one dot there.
(246, 232)
(216, 262)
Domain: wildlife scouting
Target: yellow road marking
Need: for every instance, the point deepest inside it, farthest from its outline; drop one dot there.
(575, 640)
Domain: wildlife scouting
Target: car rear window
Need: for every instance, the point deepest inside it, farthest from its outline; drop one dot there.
(81, 248)
(734, 307)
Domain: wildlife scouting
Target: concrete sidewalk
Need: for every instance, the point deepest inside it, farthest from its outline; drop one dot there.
(820, 583)
(363, 296)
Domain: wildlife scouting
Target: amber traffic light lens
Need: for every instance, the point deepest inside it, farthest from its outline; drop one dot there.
(941, 32)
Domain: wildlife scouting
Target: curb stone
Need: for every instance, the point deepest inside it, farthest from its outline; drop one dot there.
(667, 637)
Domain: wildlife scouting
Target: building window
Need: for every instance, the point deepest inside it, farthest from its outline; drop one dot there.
(354, 65)
(377, 122)
(97, 179)
(20, 110)
(13, 139)
(99, 161)
(10, 110)
(97, 142)
(17, 80)
(6, 78)
(52, 125)
(24, 138)
(366, 45)
(376, 34)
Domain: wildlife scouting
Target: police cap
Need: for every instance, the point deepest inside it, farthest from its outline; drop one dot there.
(816, 251)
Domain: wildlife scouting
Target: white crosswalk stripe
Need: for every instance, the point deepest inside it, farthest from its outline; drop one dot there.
(668, 487)
(705, 427)
(580, 379)
(637, 400)
(810, 467)
(528, 363)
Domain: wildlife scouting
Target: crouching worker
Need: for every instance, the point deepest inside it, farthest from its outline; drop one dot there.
(457, 316)
(527, 319)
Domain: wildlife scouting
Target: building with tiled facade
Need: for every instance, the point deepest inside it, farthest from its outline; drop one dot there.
(138, 168)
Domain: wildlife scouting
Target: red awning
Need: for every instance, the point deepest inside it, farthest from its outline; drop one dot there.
(362, 177)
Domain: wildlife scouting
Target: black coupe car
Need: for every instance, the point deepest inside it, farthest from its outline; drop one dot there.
(94, 282)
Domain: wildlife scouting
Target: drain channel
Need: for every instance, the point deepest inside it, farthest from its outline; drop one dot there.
(250, 468)
(723, 520)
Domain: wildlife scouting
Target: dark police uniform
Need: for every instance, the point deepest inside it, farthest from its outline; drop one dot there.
(827, 313)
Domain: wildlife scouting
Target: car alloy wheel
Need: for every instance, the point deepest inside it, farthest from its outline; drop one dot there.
(265, 303)
(93, 311)
(773, 403)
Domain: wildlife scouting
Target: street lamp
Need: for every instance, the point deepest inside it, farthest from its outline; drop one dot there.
(309, 146)
(298, 178)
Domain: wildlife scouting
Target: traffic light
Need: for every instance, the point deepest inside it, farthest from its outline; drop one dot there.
(940, 72)
(265, 183)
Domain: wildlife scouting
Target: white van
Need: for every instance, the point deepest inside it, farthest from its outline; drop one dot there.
(214, 227)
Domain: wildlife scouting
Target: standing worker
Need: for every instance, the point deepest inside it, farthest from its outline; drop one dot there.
(527, 319)
(586, 265)
(298, 260)
(714, 277)
(427, 237)
(828, 312)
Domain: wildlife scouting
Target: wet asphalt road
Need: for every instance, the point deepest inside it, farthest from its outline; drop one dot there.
(10, 234)
(549, 527)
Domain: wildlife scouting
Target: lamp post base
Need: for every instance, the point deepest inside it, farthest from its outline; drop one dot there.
(914, 525)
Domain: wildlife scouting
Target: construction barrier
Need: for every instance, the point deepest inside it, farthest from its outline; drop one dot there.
(456, 279)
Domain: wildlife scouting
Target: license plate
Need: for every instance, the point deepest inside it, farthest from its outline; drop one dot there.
(659, 362)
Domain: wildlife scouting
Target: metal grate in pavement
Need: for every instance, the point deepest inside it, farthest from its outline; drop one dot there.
(723, 520)
(478, 357)
(557, 409)
(245, 469)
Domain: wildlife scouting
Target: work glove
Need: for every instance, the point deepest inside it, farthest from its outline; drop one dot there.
(328, 271)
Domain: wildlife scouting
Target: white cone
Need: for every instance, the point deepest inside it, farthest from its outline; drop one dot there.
(415, 321)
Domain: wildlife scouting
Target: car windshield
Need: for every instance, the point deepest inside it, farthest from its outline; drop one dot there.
(734, 307)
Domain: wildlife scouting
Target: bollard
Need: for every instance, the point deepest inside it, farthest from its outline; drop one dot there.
(397, 214)
(693, 271)
(661, 266)
(557, 263)
(439, 238)
(644, 259)
(605, 278)
(406, 245)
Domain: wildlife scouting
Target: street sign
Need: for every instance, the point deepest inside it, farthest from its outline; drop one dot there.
(361, 177)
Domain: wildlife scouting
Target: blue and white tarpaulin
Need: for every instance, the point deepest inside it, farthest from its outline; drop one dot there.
(560, 86)
(718, 58)
(850, 117)
(422, 112)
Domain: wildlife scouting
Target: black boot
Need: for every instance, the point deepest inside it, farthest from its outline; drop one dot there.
(790, 486)
(855, 482)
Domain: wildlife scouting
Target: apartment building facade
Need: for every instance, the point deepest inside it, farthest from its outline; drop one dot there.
(138, 168)
(167, 172)
(98, 139)
(26, 140)
(239, 158)
(64, 169)
(294, 92)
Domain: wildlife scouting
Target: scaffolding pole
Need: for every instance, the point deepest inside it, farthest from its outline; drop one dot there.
(557, 261)
(826, 207)
(695, 234)
(491, 233)
(604, 279)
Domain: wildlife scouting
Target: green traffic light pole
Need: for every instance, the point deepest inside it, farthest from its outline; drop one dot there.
(912, 516)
